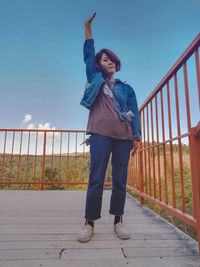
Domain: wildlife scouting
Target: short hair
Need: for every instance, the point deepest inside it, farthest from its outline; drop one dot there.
(110, 55)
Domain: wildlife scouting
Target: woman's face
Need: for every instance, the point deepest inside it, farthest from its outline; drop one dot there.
(107, 64)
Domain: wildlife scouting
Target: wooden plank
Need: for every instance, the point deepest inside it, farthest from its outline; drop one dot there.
(78, 221)
(76, 253)
(141, 262)
(96, 236)
(92, 253)
(97, 244)
(69, 220)
(24, 254)
(159, 252)
(69, 229)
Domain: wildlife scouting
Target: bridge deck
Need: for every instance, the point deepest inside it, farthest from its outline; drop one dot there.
(39, 228)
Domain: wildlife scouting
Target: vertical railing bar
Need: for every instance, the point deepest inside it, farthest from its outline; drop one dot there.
(19, 162)
(188, 120)
(43, 161)
(132, 170)
(187, 97)
(158, 149)
(145, 162)
(52, 157)
(67, 175)
(164, 151)
(198, 73)
(35, 156)
(75, 160)
(179, 130)
(60, 157)
(3, 156)
(136, 172)
(27, 157)
(149, 165)
(128, 172)
(171, 148)
(83, 179)
(141, 176)
(11, 156)
(152, 132)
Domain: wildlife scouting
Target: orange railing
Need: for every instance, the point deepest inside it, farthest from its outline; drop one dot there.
(166, 169)
(44, 157)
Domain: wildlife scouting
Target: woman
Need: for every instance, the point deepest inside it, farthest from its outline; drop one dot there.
(114, 127)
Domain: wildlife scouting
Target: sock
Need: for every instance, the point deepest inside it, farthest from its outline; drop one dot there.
(118, 219)
(90, 223)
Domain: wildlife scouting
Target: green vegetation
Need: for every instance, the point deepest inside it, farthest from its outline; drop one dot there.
(27, 170)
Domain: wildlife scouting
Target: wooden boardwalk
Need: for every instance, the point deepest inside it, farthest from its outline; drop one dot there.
(39, 228)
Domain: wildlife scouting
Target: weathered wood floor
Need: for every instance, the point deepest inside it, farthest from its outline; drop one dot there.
(39, 228)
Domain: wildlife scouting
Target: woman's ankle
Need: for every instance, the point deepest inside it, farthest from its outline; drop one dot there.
(89, 222)
(117, 219)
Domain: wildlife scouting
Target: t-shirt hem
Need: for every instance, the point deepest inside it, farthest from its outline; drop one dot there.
(115, 137)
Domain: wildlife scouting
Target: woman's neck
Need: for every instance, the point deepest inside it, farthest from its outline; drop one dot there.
(108, 76)
(110, 79)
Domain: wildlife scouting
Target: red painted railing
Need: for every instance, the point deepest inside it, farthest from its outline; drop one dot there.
(166, 169)
(44, 157)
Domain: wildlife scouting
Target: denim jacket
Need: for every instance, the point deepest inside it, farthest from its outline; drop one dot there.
(124, 96)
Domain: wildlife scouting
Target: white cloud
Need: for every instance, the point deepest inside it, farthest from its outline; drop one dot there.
(31, 126)
(46, 126)
(27, 118)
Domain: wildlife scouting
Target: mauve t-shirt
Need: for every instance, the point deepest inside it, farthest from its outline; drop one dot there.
(104, 118)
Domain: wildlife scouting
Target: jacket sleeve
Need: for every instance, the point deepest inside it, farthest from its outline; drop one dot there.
(133, 106)
(89, 58)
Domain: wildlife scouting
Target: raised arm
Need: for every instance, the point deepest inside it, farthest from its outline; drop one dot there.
(88, 30)
(88, 49)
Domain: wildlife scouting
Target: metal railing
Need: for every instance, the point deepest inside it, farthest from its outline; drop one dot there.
(166, 169)
(44, 157)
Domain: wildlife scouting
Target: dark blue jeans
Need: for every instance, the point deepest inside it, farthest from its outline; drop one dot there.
(100, 149)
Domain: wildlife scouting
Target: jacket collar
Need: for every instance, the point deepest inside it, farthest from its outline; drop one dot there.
(119, 81)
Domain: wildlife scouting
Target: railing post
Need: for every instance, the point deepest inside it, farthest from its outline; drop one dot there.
(194, 139)
(43, 161)
(141, 173)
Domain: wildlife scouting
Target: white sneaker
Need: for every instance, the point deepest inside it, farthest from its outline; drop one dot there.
(121, 231)
(85, 234)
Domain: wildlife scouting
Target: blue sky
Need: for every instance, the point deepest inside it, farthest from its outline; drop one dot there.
(42, 72)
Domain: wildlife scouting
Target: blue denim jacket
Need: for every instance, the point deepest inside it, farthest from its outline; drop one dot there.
(123, 91)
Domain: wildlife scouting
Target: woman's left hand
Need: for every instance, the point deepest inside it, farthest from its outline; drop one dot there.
(135, 147)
